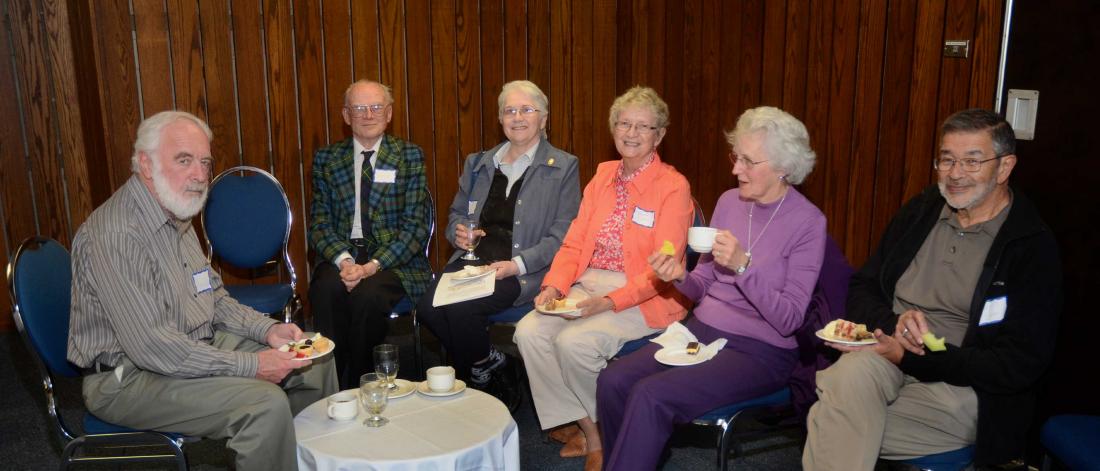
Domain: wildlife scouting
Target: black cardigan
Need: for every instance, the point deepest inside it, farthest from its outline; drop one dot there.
(1002, 362)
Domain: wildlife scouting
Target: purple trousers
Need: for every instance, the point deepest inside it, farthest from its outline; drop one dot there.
(640, 400)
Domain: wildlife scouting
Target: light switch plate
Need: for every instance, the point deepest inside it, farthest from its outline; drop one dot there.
(956, 48)
(1020, 112)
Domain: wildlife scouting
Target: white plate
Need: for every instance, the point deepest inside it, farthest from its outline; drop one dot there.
(570, 310)
(462, 276)
(404, 388)
(423, 388)
(828, 338)
(677, 357)
(316, 354)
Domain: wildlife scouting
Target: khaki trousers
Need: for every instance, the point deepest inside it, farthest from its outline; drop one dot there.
(256, 416)
(868, 408)
(564, 356)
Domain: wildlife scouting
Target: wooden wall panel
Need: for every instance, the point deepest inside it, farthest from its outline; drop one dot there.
(866, 76)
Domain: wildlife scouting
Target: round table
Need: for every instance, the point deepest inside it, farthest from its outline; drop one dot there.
(470, 430)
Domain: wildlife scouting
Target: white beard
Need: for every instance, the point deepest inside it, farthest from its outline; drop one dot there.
(182, 206)
(983, 192)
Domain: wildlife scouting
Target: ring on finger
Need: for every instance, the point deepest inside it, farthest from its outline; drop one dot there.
(905, 332)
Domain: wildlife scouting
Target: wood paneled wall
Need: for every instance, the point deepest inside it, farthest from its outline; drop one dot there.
(866, 76)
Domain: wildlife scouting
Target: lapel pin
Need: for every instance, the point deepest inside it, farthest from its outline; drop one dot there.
(550, 162)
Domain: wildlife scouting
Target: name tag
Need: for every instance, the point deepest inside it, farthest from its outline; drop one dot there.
(643, 218)
(471, 208)
(385, 175)
(202, 281)
(994, 311)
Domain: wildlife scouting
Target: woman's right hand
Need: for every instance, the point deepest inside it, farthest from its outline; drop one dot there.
(462, 235)
(548, 293)
(666, 267)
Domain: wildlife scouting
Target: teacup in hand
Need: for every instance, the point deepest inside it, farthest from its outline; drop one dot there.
(701, 239)
(441, 378)
(343, 406)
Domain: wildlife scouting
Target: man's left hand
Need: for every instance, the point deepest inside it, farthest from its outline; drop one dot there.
(592, 306)
(281, 334)
(887, 346)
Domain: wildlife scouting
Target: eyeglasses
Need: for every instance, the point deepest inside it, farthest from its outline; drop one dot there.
(360, 111)
(625, 127)
(513, 112)
(744, 161)
(945, 165)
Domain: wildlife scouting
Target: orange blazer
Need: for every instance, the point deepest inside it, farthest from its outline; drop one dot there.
(659, 191)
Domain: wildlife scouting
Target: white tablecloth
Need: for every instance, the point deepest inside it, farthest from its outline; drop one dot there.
(468, 431)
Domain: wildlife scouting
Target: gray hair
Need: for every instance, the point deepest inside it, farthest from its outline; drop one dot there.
(639, 96)
(977, 119)
(387, 92)
(152, 128)
(528, 88)
(785, 140)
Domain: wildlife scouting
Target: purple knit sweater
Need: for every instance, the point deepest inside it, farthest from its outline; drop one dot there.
(767, 302)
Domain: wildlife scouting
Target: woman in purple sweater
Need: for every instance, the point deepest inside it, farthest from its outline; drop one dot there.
(752, 289)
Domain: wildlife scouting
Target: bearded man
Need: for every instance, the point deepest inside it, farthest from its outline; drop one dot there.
(155, 332)
(969, 261)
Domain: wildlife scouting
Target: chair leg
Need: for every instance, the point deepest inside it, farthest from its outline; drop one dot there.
(418, 353)
(723, 445)
(1047, 462)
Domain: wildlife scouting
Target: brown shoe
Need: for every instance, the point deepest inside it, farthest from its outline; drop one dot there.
(593, 461)
(564, 433)
(576, 446)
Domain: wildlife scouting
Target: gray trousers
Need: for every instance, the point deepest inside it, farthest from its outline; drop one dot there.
(564, 357)
(868, 408)
(255, 415)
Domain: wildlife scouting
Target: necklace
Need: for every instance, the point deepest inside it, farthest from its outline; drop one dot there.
(751, 243)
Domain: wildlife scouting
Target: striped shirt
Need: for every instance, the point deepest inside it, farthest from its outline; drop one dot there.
(135, 294)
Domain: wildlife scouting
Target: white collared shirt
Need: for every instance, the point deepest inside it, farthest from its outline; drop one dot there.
(356, 219)
(515, 169)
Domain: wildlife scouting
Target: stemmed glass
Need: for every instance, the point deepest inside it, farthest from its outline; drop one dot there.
(471, 242)
(372, 395)
(386, 364)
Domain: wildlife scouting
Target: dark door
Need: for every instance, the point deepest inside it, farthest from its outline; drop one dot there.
(1054, 47)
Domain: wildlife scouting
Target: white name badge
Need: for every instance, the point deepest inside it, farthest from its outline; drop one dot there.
(202, 281)
(471, 208)
(385, 175)
(994, 310)
(643, 218)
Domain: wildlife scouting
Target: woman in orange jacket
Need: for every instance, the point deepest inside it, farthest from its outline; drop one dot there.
(628, 211)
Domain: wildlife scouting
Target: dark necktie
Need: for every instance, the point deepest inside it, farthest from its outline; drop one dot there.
(365, 180)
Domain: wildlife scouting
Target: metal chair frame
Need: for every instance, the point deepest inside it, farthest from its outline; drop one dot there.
(73, 441)
(294, 303)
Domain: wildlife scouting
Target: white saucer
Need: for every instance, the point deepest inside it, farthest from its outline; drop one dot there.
(852, 343)
(404, 388)
(677, 357)
(459, 386)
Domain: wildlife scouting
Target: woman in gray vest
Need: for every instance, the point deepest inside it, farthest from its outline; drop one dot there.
(518, 198)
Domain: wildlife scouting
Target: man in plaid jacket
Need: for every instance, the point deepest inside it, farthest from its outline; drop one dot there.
(368, 226)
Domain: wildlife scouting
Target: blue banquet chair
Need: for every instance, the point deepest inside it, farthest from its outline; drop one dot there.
(1071, 441)
(246, 222)
(39, 282)
(405, 306)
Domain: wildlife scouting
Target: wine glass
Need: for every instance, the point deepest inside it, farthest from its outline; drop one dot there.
(471, 242)
(372, 395)
(386, 363)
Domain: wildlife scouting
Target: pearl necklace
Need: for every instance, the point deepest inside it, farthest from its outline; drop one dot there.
(751, 244)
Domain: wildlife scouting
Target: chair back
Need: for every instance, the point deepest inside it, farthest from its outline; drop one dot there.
(247, 218)
(40, 284)
(699, 219)
(826, 304)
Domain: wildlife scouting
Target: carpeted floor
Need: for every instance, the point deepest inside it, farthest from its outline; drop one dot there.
(28, 439)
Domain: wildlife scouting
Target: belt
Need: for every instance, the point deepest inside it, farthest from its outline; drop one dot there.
(96, 368)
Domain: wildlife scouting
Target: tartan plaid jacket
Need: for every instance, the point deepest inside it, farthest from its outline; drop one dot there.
(400, 212)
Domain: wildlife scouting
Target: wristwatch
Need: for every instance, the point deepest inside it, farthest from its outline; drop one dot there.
(744, 266)
(376, 262)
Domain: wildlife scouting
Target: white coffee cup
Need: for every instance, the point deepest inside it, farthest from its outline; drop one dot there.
(701, 239)
(441, 378)
(343, 406)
